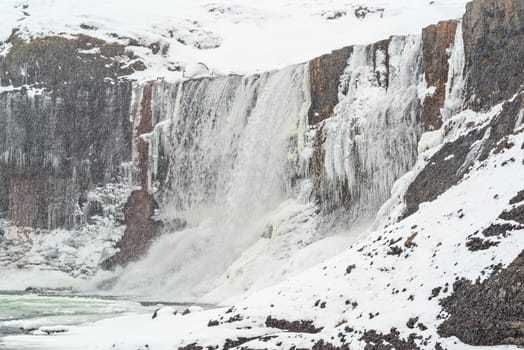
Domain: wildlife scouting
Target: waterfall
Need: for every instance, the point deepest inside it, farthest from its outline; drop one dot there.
(231, 148)
(226, 161)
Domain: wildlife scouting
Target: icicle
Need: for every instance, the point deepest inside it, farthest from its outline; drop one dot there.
(455, 85)
(372, 139)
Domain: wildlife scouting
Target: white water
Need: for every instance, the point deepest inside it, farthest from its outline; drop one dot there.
(231, 143)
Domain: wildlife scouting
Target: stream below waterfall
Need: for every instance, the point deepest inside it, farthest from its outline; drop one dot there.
(46, 312)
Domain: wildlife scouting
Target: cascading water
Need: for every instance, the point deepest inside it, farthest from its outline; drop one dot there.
(231, 147)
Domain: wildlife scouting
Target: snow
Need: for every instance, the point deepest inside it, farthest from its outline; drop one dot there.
(429, 140)
(225, 35)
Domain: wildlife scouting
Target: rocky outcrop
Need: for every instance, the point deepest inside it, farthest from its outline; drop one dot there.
(489, 312)
(140, 230)
(493, 32)
(452, 161)
(436, 40)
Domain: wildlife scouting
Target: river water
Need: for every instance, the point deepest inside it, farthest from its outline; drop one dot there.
(36, 312)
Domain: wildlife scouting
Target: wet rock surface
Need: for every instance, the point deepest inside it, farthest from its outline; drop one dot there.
(489, 312)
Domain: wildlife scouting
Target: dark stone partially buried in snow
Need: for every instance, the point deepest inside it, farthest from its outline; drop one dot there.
(303, 326)
(493, 32)
(378, 341)
(488, 313)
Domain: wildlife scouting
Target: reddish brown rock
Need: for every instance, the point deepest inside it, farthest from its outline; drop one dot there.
(145, 125)
(324, 73)
(24, 197)
(140, 231)
(436, 40)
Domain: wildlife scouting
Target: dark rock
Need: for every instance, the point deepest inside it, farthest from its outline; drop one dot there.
(292, 326)
(490, 312)
(395, 250)
(323, 345)
(475, 244)
(515, 214)
(235, 318)
(213, 323)
(443, 171)
(350, 268)
(55, 62)
(140, 230)
(193, 346)
(411, 322)
(493, 32)
(518, 198)
(325, 72)
(500, 229)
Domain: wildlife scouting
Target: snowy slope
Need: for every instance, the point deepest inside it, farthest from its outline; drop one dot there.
(397, 273)
(227, 36)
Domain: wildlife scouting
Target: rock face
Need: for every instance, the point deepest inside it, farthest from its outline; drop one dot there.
(141, 229)
(494, 42)
(488, 313)
(58, 145)
(325, 72)
(436, 40)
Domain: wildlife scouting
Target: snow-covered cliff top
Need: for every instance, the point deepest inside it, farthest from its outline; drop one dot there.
(227, 35)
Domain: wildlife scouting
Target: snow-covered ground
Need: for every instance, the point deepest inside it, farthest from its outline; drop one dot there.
(225, 35)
